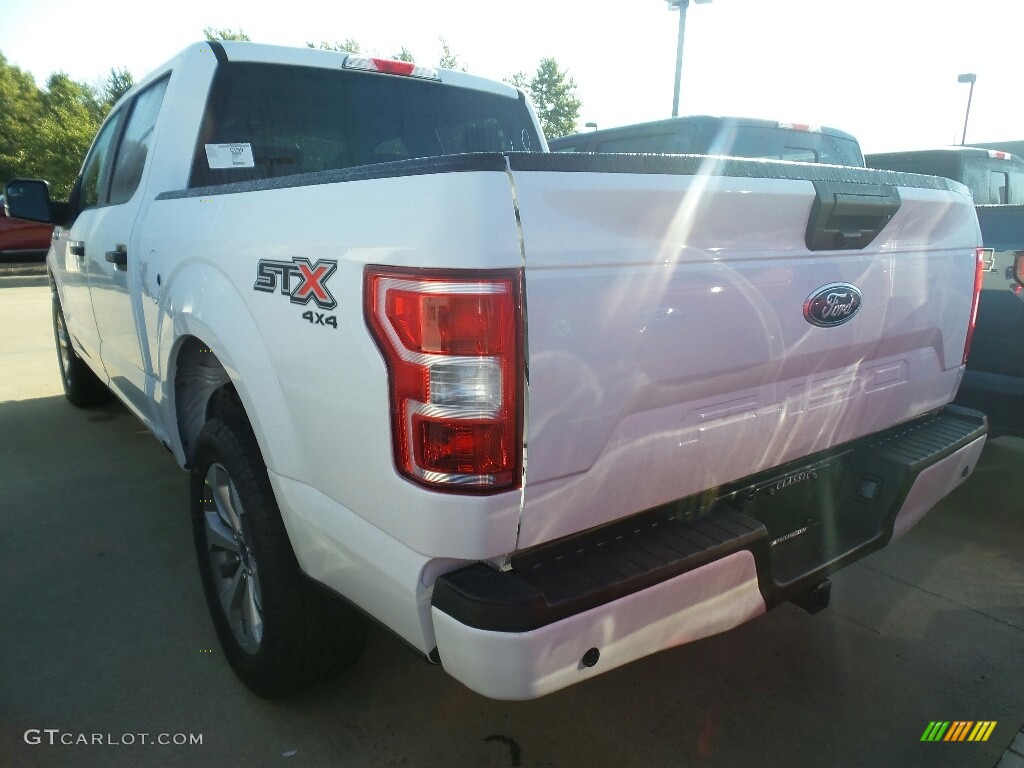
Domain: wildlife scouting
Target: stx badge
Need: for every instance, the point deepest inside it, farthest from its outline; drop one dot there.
(298, 279)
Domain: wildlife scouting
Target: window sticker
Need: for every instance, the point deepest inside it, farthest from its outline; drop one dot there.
(229, 155)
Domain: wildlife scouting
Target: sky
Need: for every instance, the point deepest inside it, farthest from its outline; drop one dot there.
(884, 70)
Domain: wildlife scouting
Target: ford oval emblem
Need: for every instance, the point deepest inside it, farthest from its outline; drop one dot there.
(832, 305)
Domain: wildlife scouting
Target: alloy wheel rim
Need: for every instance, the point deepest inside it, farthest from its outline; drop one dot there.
(63, 342)
(232, 565)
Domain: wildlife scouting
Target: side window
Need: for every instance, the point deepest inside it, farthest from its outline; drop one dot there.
(975, 175)
(93, 182)
(998, 186)
(1016, 196)
(135, 143)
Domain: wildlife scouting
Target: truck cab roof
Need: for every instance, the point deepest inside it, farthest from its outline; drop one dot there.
(721, 135)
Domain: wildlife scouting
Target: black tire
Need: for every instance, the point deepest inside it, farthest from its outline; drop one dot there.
(280, 631)
(82, 387)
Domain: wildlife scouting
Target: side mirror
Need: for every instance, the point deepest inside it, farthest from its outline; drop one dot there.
(28, 199)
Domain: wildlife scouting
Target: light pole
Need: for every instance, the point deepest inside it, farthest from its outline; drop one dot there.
(681, 5)
(967, 77)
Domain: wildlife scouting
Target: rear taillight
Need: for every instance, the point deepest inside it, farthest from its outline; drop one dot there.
(452, 343)
(800, 127)
(979, 279)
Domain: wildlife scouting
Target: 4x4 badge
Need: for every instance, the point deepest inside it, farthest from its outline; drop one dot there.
(298, 279)
(833, 305)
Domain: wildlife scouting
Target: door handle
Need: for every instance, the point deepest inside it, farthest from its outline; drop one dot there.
(118, 257)
(77, 249)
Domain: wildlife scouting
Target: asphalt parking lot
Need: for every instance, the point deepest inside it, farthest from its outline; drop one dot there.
(103, 631)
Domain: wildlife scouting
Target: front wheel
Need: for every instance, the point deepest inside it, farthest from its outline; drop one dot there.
(82, 387)
(279, 631)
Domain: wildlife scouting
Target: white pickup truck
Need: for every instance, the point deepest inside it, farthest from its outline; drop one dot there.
(539, 414)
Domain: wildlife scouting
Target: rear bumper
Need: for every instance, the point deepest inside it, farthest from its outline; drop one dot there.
(589, 603)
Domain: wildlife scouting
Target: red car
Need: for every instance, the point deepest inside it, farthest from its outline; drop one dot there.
(22, 239)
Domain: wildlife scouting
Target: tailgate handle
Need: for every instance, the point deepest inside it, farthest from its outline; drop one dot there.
(848, 216)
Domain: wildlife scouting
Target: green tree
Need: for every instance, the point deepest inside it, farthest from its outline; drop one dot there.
(404, 55)
(20, 108)
(520, 80)
(347, 46)
(448, 59)
(225, 34)
(71, 115)
(554, 97)
(117, 84)
(44, 133)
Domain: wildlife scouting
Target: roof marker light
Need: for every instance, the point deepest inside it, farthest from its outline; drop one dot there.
(391, 67)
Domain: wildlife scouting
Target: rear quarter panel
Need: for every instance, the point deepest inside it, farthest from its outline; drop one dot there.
(318, 396)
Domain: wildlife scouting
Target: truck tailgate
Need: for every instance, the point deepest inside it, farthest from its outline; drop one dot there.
(669, 352)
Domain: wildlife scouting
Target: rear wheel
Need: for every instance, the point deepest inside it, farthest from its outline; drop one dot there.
(279, 631)
(82, 387)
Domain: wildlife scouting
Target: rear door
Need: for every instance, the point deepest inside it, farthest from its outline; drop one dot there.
(70, 251)
(113, 262)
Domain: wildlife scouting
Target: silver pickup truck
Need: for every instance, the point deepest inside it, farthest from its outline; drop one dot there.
(539, 414)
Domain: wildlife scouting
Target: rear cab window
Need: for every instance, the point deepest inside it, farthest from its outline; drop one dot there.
(268, 120)
(789, 144)
(677, 142)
